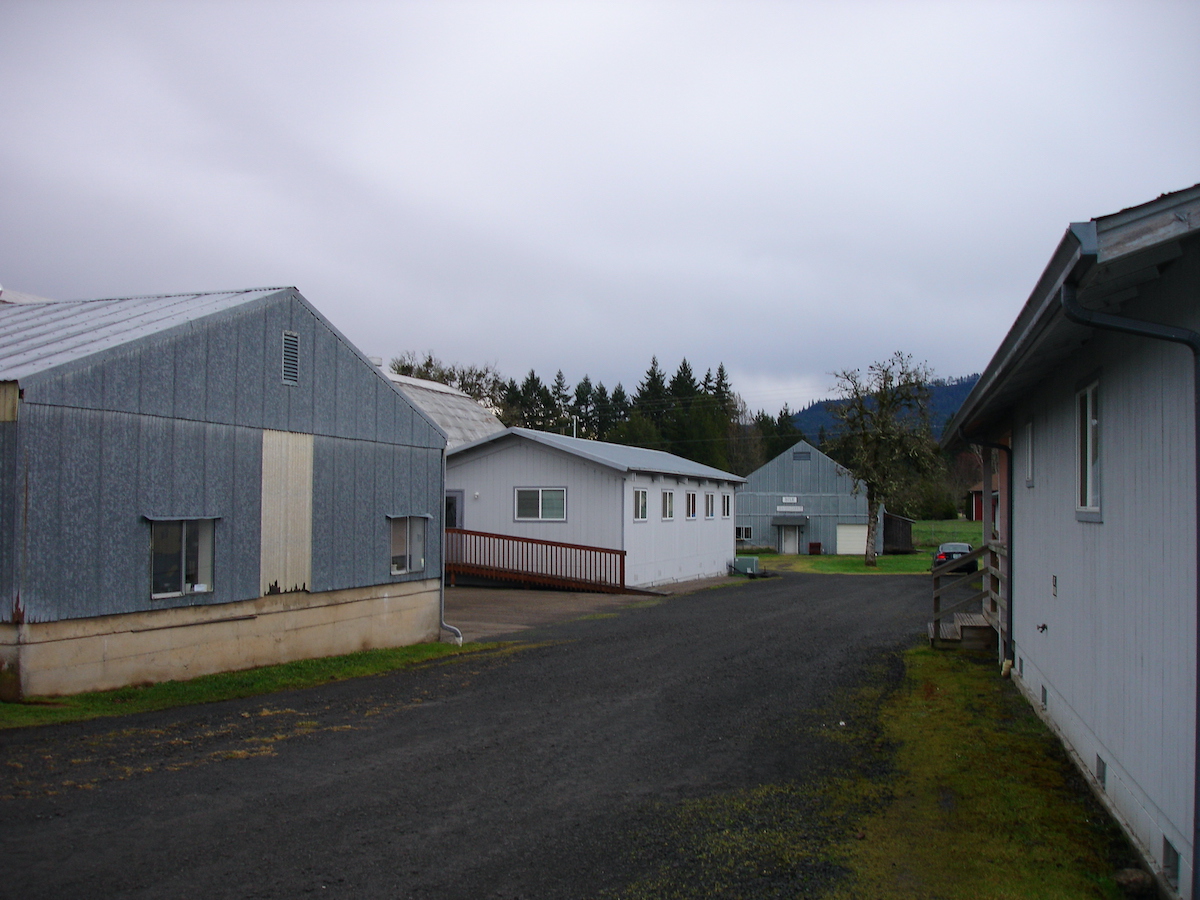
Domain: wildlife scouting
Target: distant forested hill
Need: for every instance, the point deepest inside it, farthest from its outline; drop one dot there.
(945, 397)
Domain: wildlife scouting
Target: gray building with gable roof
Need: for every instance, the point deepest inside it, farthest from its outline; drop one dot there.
(204, 482)
(802, 497)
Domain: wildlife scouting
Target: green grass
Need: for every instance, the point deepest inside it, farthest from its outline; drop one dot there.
(908, 564)
(947, 786)
(929, 533)
(984, 802)
(224, 686)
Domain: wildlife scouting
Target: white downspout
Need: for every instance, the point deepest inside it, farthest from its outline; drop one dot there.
(458, 638)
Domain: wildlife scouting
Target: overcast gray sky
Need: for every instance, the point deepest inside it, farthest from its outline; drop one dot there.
(790, 188)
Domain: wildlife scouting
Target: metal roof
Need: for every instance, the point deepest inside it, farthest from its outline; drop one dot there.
(614, 456)
(38, 334)
(1131, 248)
(463, 419)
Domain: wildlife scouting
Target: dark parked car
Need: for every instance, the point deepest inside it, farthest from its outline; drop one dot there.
(948, 552)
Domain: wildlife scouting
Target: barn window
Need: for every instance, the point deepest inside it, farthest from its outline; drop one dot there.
(1088, 448)
(668, 504)
(710, 505)
(181, 557)
(1170, 863)
(291, 357)
(741, 533)
(690, 504)
(726, 504)
(801, 455)
(541, 504)
(408, 544)
(639, 505)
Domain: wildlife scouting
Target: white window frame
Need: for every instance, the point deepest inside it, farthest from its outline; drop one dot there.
(543, 495)
(690, 505)
(1087, 450)
(193, 571)
(408, 534)
(726, 505)
(710, 506)
(641, 504)
(742, 532)
(668, 506)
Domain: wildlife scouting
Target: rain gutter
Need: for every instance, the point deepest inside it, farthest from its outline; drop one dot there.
(1085, 232)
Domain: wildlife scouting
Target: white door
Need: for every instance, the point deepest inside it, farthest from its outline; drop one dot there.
(790, 539)
(852, 539)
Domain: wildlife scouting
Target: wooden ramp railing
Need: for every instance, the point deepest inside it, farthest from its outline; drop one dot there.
(960, 623)
(526, 560)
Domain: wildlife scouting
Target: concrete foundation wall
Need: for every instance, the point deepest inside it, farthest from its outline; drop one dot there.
(75, 655)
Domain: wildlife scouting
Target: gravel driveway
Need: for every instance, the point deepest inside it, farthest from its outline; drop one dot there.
(523, 773)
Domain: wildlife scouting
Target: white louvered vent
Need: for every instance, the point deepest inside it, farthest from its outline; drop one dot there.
(291, 357)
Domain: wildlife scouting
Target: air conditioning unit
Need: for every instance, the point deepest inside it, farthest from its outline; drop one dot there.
(745, 565)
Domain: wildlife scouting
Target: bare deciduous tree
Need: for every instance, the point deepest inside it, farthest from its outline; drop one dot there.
(885, 438)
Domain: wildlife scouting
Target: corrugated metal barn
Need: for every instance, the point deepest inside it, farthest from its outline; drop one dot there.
(203, 482)
(802, 497)
(1093, 392)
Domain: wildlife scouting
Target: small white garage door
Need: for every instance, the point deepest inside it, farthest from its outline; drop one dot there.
(852, 539)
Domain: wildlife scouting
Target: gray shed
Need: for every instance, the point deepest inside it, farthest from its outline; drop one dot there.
(800, 499)
(201, 482)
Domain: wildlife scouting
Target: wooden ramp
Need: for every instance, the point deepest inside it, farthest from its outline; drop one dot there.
(527, 561)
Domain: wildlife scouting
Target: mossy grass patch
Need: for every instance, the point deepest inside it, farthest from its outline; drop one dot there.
(228, 685)
(942, 783)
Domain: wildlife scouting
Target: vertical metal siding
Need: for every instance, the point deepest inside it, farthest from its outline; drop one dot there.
(1117, 653)
(827, 496)
(190, 353)
(357, 485)
(593, 493)
(221, 372)
(274, 408)
(9, 516)
(299, 397)
(251, 358)
(172, 425)
(94, 476)
(122, 383)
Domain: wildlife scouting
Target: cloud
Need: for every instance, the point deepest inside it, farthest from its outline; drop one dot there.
(788, 189)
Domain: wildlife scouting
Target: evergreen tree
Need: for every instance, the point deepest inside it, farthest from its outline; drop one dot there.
(583, 407)
(604, 411)
(620, 405)
(651, 399)
(562, 400)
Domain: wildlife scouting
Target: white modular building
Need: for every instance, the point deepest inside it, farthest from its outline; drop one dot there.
(671, 518)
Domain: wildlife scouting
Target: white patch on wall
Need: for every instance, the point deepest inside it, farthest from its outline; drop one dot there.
(287, 472)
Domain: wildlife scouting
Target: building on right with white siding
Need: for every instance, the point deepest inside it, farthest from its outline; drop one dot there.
(1092, 396)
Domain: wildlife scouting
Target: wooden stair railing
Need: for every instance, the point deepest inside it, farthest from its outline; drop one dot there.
(993, 597)
(531, 561)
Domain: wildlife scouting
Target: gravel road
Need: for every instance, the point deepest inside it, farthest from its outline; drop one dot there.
(507, 774)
